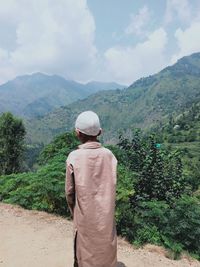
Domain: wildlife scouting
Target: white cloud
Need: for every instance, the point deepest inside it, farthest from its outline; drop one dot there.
(138, 21)
(5, 70)
(49, 36)
(3, 54)
(126, 64)
(188, 40)
(9, 9)
(176, 9)
(58, 37)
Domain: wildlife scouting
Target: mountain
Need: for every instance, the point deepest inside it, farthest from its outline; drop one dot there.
(95, 86)
(146, 102)
(37, 94)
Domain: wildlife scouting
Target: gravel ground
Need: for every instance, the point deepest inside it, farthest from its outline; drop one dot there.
(38, 239)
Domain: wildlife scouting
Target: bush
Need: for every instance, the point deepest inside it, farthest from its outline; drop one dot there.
(147, 234)
(159, 171)
(124, 213)
(44, 189)
(184, 223)
(176, 227)
(161, 215)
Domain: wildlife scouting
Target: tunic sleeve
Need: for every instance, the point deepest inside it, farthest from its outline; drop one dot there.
(70, 186)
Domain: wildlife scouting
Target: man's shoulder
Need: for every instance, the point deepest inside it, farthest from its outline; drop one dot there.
(72, 155)
(108, 152)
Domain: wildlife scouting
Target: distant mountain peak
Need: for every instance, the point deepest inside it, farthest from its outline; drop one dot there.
(147, 101)
(188, 58)
(95, 85)
(188, 65)
(37, 93)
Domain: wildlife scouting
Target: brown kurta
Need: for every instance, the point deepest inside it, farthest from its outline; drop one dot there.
(90, 191)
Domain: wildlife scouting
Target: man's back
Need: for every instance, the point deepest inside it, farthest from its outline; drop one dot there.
(94, 174)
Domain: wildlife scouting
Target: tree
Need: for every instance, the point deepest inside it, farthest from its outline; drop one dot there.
(159, 171)
(12, 133)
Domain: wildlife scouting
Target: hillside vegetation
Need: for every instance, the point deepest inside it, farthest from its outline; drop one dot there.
(158, 190)
(182, 132)
(37, 94)
(145, 103)
(156, 202)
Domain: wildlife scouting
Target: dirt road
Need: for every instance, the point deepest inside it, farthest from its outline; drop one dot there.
(38, 239)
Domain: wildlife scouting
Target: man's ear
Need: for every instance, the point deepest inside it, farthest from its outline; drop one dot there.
(100, 132)
(77, 132)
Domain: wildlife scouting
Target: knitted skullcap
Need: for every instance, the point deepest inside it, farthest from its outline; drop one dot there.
(88, 123)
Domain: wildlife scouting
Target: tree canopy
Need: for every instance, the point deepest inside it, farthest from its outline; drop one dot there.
(12, 133)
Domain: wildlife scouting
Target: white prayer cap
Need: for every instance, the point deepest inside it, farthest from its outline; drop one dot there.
(88, 123)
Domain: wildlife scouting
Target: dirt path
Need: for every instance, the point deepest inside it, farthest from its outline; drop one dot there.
(38, 239)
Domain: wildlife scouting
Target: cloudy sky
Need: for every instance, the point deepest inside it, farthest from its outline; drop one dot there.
(105, 40)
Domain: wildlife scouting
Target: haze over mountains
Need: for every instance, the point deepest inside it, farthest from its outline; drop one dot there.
(146, 102)
(37, 94)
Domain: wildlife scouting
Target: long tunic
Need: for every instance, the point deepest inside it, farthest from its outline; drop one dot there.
(90, 192)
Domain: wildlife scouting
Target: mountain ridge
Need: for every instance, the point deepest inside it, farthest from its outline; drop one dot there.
(144, 103)
(37, 94)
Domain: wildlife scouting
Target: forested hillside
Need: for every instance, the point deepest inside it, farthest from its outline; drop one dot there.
(182, 132)
(145, 103)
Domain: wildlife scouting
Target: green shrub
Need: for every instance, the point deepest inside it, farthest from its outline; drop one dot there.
(159, 171)
(184, 223)
(147, 234)
(124, 213)
(161, 215)
(44, 189)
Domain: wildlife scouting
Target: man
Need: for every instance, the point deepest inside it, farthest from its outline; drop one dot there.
(90, 192)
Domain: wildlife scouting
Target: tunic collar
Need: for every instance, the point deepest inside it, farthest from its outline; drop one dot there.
(90, 145)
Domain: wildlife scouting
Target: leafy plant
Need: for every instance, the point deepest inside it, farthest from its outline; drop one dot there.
(159, 171)
(12, 133)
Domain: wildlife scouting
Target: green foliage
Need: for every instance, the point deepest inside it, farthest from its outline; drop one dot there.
(159, 171)
(44, 189)
(184, 223)
(176, 227)
(31, 153)
(184, 127)
(165, 217)
(148, 234)
(192, 174)
(175, 248)
(12, 133)
(153, 213)
(125, 190)
(145, 103)
(183, 133)
(62, 144)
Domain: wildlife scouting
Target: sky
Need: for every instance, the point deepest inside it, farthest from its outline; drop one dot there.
(102, 40)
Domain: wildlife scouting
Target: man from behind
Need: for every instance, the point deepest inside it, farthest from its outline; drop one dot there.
(90, 192)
